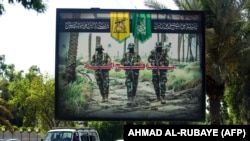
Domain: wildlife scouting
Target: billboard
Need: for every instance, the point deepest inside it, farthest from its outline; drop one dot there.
(129, 64)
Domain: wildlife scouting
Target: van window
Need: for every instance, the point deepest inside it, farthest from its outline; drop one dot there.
(85, 138)
(58, 136)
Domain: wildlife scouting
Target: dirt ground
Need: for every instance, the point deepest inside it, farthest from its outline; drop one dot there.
(180, 105)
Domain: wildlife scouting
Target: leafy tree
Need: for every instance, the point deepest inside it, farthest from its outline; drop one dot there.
(4, 83)
(30, 97)
(6, 70)
(237, 94)
(6, 113)
(22, 90)
(105, 128)
(44, 94)
(33, 100)
(225, 42)
(224, 46)
(37, 5)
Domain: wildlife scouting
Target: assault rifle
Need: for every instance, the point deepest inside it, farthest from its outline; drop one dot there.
(131, 68)
(131, 72)
(99, 69)
(158, 71)
(157, 65)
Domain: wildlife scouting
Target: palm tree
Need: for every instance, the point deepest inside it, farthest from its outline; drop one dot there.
(223, 45)
(222, 54)
(5, 113)
(183, 5)
(5, 72)
(223, 48)
(72, 53)
(156, 5)
(188, 5)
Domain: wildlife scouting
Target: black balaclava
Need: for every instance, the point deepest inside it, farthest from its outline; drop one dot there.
(131, 50)
(158, 49)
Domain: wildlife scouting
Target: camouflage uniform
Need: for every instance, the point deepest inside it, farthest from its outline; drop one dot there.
(159, 77)
(131, 58)
(102, 75)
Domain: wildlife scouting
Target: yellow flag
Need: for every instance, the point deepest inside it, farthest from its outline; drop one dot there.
(119, 25)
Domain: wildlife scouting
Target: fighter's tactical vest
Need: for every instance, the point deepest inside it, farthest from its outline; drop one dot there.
(162, 57)
(128, 57)
(103, 57)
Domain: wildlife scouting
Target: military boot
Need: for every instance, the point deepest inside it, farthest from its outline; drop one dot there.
(132, 99)
(129, 101)
(102, 94)
(158, 98)
(106, 98)
(103, 98)
(162, 100)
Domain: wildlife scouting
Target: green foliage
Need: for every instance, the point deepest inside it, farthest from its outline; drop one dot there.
(82, 75)
(73, 91)
(4, 89)
(117, 74)
(237, 98)
(117, 60)
(178, 81)
(145, 75)
(181, 65)
(32, 100)
(38, 5)
(114, 127)
(187, 76)
(5, 113)
(184, 78)
(77, 94)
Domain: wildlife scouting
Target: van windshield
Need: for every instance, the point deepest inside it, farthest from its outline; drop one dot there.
(58, 136)
(89, 136)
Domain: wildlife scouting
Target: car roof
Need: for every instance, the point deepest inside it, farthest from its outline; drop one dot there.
(72, 129)
(65, 129)
(86, 129)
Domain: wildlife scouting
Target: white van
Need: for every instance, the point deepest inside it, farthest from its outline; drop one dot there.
(74, 134)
